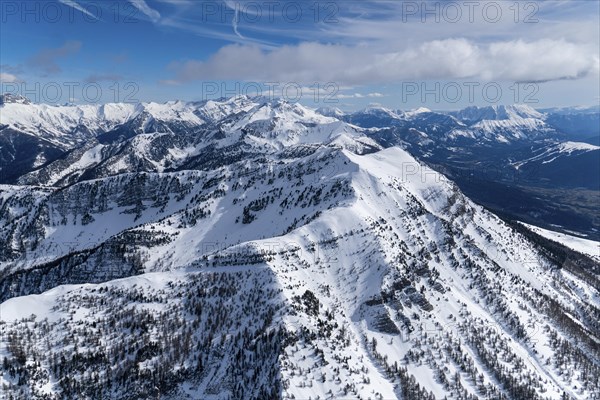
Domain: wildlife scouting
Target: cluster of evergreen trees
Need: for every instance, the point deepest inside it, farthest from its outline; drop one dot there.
(134, 342)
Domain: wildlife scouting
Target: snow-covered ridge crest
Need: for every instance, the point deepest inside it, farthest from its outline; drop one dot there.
(69, 125)
(498, 113)
(115, 138)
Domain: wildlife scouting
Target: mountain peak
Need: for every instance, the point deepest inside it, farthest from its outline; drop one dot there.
(524, 111)
(9, 98)
(379, 110)
(416, 111)
(497, 113)
(331, 112)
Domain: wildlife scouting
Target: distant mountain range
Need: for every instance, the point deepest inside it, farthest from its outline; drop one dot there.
(538, 166)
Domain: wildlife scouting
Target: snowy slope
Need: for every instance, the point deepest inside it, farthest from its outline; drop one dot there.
(307, 264)
(503, 124)
(65, 125)
(557, 151)
(588, 247)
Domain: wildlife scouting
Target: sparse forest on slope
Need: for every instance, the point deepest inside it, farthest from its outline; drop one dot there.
(273, 252)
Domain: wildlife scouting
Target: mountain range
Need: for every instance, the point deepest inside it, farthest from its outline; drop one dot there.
(537, 166)
(250, 248)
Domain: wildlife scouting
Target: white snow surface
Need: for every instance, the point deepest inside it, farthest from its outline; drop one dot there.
(585, 246)
(349, 228)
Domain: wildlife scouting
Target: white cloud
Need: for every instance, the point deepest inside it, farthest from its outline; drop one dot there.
(207, 31)
(178, 3)
(359, 95)
(8, 78)
(544, 60)
(517, 60)
(236, 17)
(77, 6)
(148, 11)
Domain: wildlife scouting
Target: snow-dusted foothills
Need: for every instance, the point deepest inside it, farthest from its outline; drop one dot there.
(254, 249)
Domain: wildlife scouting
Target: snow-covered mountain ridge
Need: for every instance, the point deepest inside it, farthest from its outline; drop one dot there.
(70, 125)
(163, 135)
(33, 136)
(491, 124)
(279, 253)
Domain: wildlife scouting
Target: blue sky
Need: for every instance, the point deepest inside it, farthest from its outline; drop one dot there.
(346, 54)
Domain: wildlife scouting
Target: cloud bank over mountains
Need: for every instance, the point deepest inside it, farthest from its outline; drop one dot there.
(518, 60)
